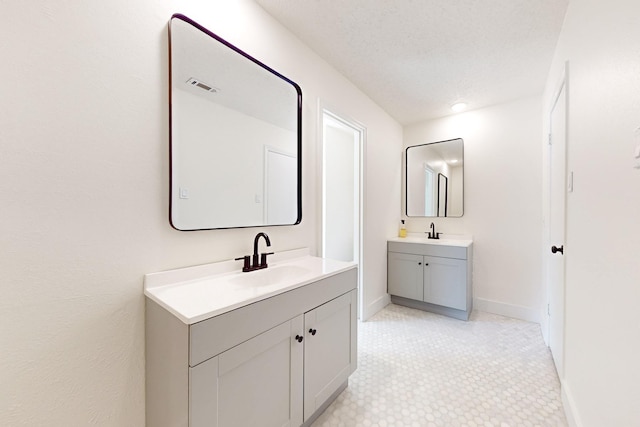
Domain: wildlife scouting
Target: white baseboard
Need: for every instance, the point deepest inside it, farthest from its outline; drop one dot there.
(508, 310)
(569, 406)
(375, 306)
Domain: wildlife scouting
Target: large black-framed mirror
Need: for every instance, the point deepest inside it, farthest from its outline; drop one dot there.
(434, 179)
(235, 135)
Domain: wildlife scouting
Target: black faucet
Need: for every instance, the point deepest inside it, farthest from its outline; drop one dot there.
(433, 234)
(263, 261)
(248, 265)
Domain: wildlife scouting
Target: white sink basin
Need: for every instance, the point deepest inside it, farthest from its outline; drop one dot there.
(197, 293)
(270, 276)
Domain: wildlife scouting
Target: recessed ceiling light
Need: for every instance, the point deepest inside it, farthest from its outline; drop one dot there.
(458, 107)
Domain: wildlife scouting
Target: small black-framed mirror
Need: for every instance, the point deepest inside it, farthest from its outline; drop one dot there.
(235, 135)
(434, 179)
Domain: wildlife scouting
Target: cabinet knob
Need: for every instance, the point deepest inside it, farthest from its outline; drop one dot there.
(299, 338)
(419, 263)
(312, 331)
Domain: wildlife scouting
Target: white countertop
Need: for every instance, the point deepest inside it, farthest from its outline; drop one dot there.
(197, 293)
(444, 240)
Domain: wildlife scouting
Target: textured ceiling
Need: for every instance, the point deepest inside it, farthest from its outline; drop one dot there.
(415, 58)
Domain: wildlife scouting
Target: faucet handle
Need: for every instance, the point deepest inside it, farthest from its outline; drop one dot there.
(247, 262)
(263, 259)
(433, 235)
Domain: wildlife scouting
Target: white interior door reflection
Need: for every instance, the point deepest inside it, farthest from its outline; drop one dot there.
(429, 192)
(280, 193)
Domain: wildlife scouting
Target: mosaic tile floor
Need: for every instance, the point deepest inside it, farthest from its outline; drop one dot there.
(422, 369)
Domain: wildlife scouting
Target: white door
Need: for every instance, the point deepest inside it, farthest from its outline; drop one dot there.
(430, 193)
(281, 188)
(342, 188)
(556, 263)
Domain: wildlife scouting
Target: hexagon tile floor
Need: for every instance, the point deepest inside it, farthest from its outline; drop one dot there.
(421, 369)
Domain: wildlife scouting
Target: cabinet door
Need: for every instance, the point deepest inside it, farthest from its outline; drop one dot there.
(203, 394)
(329, 350)
(405, 275)
(445, 282)
(256, 383)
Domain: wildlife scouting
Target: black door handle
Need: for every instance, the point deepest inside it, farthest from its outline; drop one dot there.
(555, 249)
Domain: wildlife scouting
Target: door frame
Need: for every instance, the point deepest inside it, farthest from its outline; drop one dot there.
(336, 115)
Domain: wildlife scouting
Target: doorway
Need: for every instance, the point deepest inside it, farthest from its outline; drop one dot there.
(343, 143)
(557, 225)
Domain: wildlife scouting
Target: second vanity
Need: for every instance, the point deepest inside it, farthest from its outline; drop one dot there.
(271, 347)
(431, 274)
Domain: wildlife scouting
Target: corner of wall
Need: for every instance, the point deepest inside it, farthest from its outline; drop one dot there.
(568, 403)
(371, 309)
(508, 310)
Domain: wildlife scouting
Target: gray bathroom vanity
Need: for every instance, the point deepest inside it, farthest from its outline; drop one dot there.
(431, 274)
(266, 348)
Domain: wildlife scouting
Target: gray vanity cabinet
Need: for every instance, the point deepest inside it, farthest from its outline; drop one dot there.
(258, 382)
(432, 277)
(261, 381)
(274, 363)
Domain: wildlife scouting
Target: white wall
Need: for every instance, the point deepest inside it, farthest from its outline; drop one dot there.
(601, 41)
(84, 191)
(502, 199)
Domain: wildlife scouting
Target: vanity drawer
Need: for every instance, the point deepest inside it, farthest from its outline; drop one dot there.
(213, 336)
(445, 251)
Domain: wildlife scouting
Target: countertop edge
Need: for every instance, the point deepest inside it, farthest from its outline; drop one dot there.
(457, 242)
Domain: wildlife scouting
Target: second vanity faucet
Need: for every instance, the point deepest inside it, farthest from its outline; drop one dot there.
(255, 265)
(432, 234)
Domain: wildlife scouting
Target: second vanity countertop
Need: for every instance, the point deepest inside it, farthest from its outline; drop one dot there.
(446, 240)
(197, 293)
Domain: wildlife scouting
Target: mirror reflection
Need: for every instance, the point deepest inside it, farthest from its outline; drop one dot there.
(435, 179)
(235, 135)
